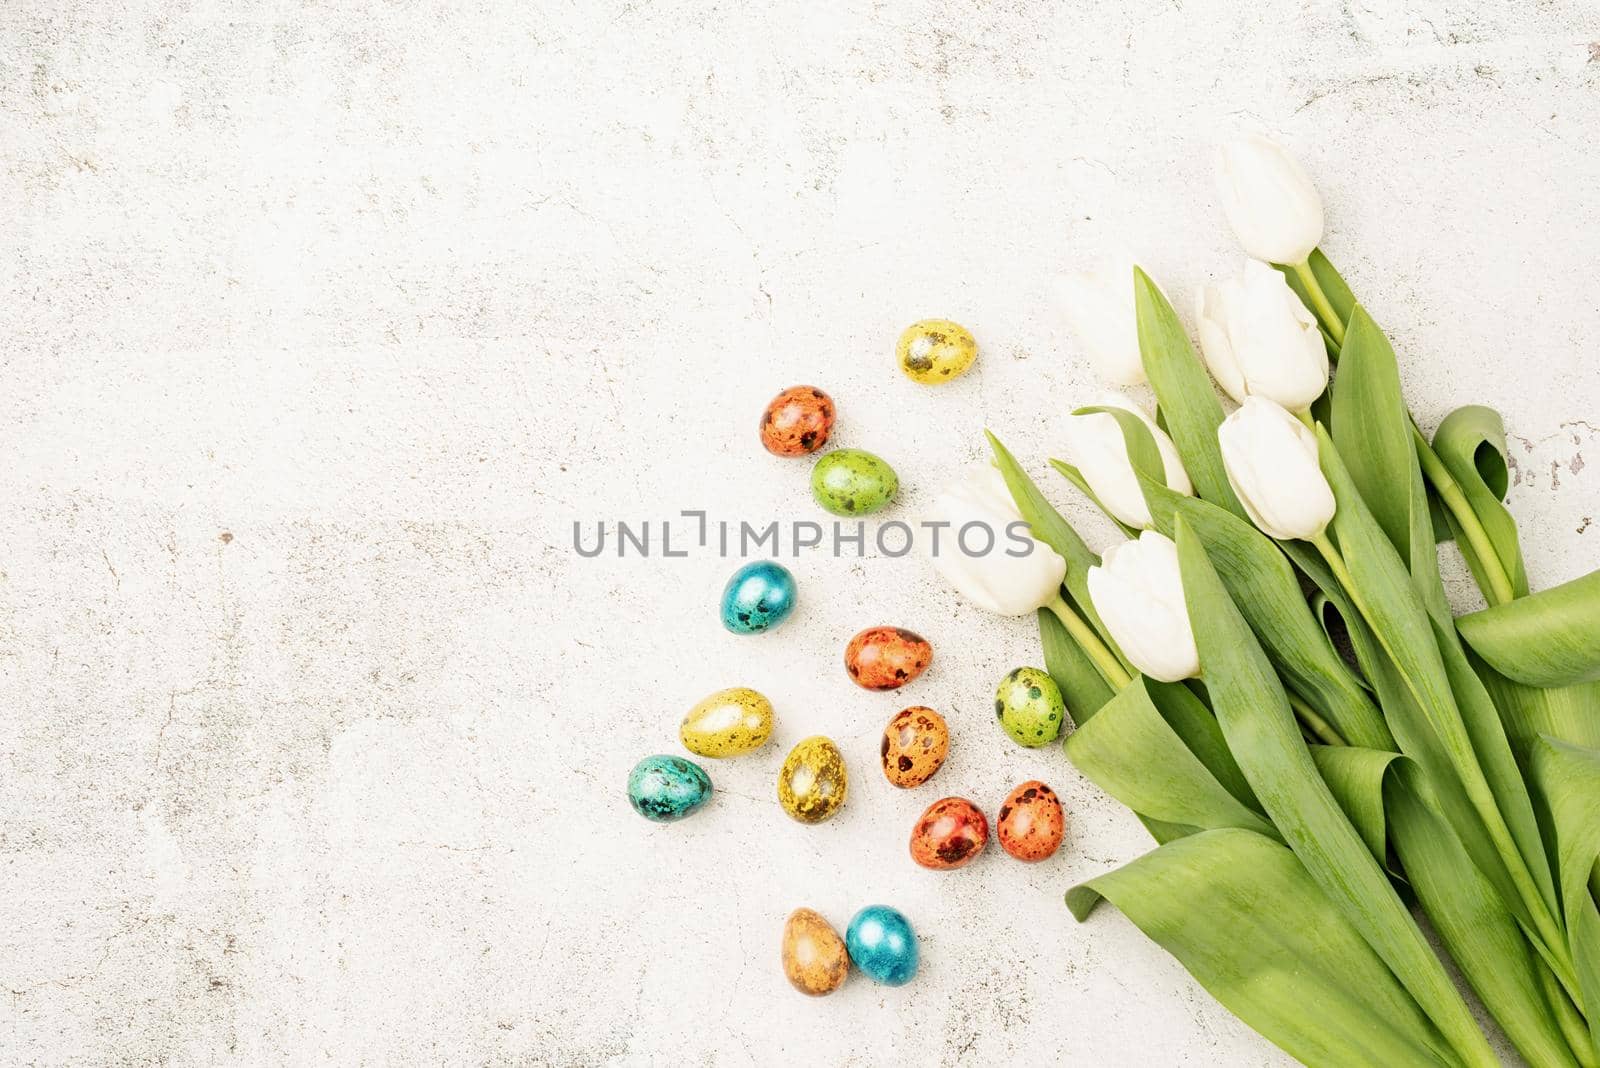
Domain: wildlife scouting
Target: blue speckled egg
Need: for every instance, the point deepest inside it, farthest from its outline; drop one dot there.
(758, 597)
(667, 788)
(883, 945)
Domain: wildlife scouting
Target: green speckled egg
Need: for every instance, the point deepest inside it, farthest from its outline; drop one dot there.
(853, 482)
(727, 723)
(812, 782)
(936, 350)
(1029, 707)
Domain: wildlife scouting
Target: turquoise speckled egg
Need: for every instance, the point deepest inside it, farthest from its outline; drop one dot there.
(883, 945)
(1029, 707)
(667, 788)
(758, 597)
(853, 482)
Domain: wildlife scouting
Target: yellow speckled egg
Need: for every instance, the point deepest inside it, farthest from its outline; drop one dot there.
(727, 723)
(936, 350)
(812, 781)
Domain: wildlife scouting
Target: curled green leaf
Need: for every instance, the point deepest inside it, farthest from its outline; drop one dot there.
(1551, 638)
(1471, 444)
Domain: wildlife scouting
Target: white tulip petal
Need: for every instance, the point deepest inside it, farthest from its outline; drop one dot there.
(996, 581)
(1099, 309)
(1096, 446)
(1260, 341)
(1211, 323)
(1269, 200)
(1137, 590)
(1271, 461)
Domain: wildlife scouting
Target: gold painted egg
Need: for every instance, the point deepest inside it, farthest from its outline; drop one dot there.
(936, 350)
(814, 957)
(727, 723)
(812, 781)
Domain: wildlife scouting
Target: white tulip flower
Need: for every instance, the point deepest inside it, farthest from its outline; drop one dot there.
(1260, 341)
(1269, 200)
(1137, 589)
(1271, 459)
(1099, 308)
(1096, 447)
(1018, 574)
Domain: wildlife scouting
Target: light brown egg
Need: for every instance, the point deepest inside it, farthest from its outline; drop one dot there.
(915, 743)
(814, 957)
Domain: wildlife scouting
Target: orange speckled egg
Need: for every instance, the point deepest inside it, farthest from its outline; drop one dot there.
(915, 743)
(886, 658)
(797, 421)
(1030, 823)
(950, 833)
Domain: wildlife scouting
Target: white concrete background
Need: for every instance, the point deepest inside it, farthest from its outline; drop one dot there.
(322, 323)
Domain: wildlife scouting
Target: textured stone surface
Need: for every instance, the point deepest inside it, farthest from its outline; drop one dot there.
(322, 324)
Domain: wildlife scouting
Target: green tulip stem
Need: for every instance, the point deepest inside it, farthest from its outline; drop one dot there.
(1548, 938)
(1573, 1027)
(1315, 723)
(1336, 563)
(1104, 661)
(1319, 300)
(1304, 415)
(1328, 343)
(1449, 491)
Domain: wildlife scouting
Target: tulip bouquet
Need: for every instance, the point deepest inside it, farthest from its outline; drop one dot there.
(1268, 674)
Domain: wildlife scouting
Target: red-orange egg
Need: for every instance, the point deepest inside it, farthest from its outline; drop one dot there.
(950, 833)
(886, 658)
(797, 421)
(1030, 823)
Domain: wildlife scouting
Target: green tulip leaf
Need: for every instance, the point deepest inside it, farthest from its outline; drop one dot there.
(1259, 725)
(1131, 752)
(1192, 720)
(1050, 527)
(1570, 713)
(1355, 776)
(1262, 584)
(1241, 914)
(1568, 777)
(1373, 432)
(1471, 443)
(1183, 390)
(1549, 639)
(1499, 764)
(1418, 693)
(1482, 936)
